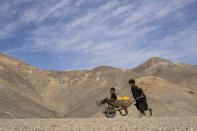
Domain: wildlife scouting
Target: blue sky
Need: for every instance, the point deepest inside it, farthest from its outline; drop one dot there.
(83, 34)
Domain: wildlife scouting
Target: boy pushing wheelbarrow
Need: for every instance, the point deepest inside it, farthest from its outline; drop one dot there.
(122, 103)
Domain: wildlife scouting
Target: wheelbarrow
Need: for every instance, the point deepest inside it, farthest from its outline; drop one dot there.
(110, 108)
(122, 106)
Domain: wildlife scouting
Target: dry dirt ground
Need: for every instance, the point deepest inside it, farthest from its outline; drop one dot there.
(188, 123)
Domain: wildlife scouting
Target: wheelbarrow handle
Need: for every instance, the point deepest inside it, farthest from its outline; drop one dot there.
(137, 98)
(131, 102)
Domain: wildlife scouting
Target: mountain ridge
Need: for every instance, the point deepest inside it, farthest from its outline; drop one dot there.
(73, 93)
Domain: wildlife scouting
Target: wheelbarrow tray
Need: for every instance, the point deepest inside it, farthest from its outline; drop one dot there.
(120, 103)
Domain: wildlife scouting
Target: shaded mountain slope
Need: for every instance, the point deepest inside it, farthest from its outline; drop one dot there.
(19, 90)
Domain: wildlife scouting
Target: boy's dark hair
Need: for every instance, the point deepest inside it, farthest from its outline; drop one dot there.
(112, 89)
(132, 81)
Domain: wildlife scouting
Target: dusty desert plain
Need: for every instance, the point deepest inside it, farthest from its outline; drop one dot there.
(187, 123)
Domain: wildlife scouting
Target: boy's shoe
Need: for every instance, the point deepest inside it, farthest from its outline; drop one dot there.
(98, 103)
(141, 115)
(150, 110)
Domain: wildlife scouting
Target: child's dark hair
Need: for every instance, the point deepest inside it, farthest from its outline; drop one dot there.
(112, 89)
(132, 81)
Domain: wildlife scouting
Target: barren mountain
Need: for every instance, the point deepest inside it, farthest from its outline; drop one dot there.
(28, 92)
(178, 73)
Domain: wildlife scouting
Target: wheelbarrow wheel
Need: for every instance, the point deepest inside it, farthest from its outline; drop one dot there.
(110, 112)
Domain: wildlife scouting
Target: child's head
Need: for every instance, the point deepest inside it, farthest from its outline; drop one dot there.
(131, 82)
(112, 90)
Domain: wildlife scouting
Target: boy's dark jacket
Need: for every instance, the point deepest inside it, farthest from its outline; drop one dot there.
(113, 96)
(137, 92)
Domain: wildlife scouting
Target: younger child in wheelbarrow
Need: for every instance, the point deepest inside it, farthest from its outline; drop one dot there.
(107, 100)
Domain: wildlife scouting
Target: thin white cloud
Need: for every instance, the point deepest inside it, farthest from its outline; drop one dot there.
(37, 13)
(83, 21)
(7, 29)
(181, 45)
(123, 9)
(54, 8)
(109, 5)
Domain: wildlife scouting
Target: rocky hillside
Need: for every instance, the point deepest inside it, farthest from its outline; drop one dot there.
(28, 92)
